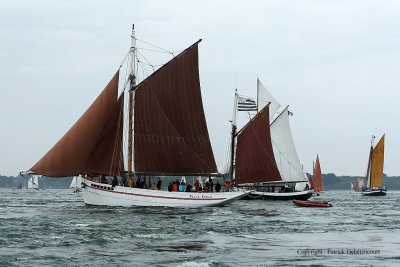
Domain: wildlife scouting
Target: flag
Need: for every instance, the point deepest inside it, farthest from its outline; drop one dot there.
(246, 104)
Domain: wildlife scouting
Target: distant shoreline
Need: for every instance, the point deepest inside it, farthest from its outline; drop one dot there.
(331, 182)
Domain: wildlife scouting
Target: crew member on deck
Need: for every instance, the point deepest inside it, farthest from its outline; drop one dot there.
(103, 179)
(114, 181)
(218, 187)
(159, 183)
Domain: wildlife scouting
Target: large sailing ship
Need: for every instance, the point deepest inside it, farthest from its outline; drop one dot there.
(255, 164)
(375, 170)
(166, 136)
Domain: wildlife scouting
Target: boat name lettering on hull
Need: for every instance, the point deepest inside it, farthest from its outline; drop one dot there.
(200, 196)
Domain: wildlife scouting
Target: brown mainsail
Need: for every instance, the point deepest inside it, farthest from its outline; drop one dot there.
(170, 130)
(107, 157)
(318, 180)
(78, 150)
(255, 160)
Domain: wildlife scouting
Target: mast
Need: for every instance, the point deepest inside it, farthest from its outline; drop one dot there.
(369, 167)
(132, 79)
(233, 136)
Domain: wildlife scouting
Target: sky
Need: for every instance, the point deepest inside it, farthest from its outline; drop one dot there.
(336, 63)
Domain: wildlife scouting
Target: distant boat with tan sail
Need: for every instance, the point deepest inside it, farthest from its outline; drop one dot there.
(375, 169)
(160, 132)
(318, 181)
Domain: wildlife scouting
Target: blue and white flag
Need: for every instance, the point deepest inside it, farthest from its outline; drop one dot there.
(246, 104)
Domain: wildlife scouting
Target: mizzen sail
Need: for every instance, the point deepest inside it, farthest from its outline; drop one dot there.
(255, 160)
(170, 130)
(74, 153)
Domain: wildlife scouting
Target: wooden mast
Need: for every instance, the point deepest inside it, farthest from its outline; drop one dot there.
(132, 78)
(233, 136)
(369, 167)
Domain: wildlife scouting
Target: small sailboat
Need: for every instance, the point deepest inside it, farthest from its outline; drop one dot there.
(375, 170)
(318, 182)
(76, 184)
(358, 185)
(33, 182)
(166, 135)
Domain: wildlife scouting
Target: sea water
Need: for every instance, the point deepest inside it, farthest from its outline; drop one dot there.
(55, 228)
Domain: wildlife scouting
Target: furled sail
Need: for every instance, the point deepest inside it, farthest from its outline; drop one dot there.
(87, 144)
(318, 182)
(170, 130)
(264, 97)
(377, 159)
(285, 152)
(255, 160)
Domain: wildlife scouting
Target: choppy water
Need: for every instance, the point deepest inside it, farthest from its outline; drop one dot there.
(40, 229)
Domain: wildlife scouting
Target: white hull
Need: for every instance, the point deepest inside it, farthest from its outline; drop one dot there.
(104, 195)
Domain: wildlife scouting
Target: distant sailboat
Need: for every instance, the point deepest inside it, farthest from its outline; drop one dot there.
(318, 182)
(358, 184)
(76, 184)
(375, 170)
(33, 182)
(166, 133)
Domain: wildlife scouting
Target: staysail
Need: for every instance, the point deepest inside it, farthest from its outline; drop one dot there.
(318, 180)
(284, 149)
(255, 160)
(377, 158)
(170, 130)
(93, 143)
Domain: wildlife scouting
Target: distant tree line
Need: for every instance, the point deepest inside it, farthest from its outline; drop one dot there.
(331, 182)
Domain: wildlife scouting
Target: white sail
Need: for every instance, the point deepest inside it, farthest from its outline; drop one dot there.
(264, 97)
(352, 186)
(361, 184)
(76, 184)
(33, 182)
(285, 152)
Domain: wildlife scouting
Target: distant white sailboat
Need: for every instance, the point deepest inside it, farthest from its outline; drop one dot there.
(76, 184)
(33, 182)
